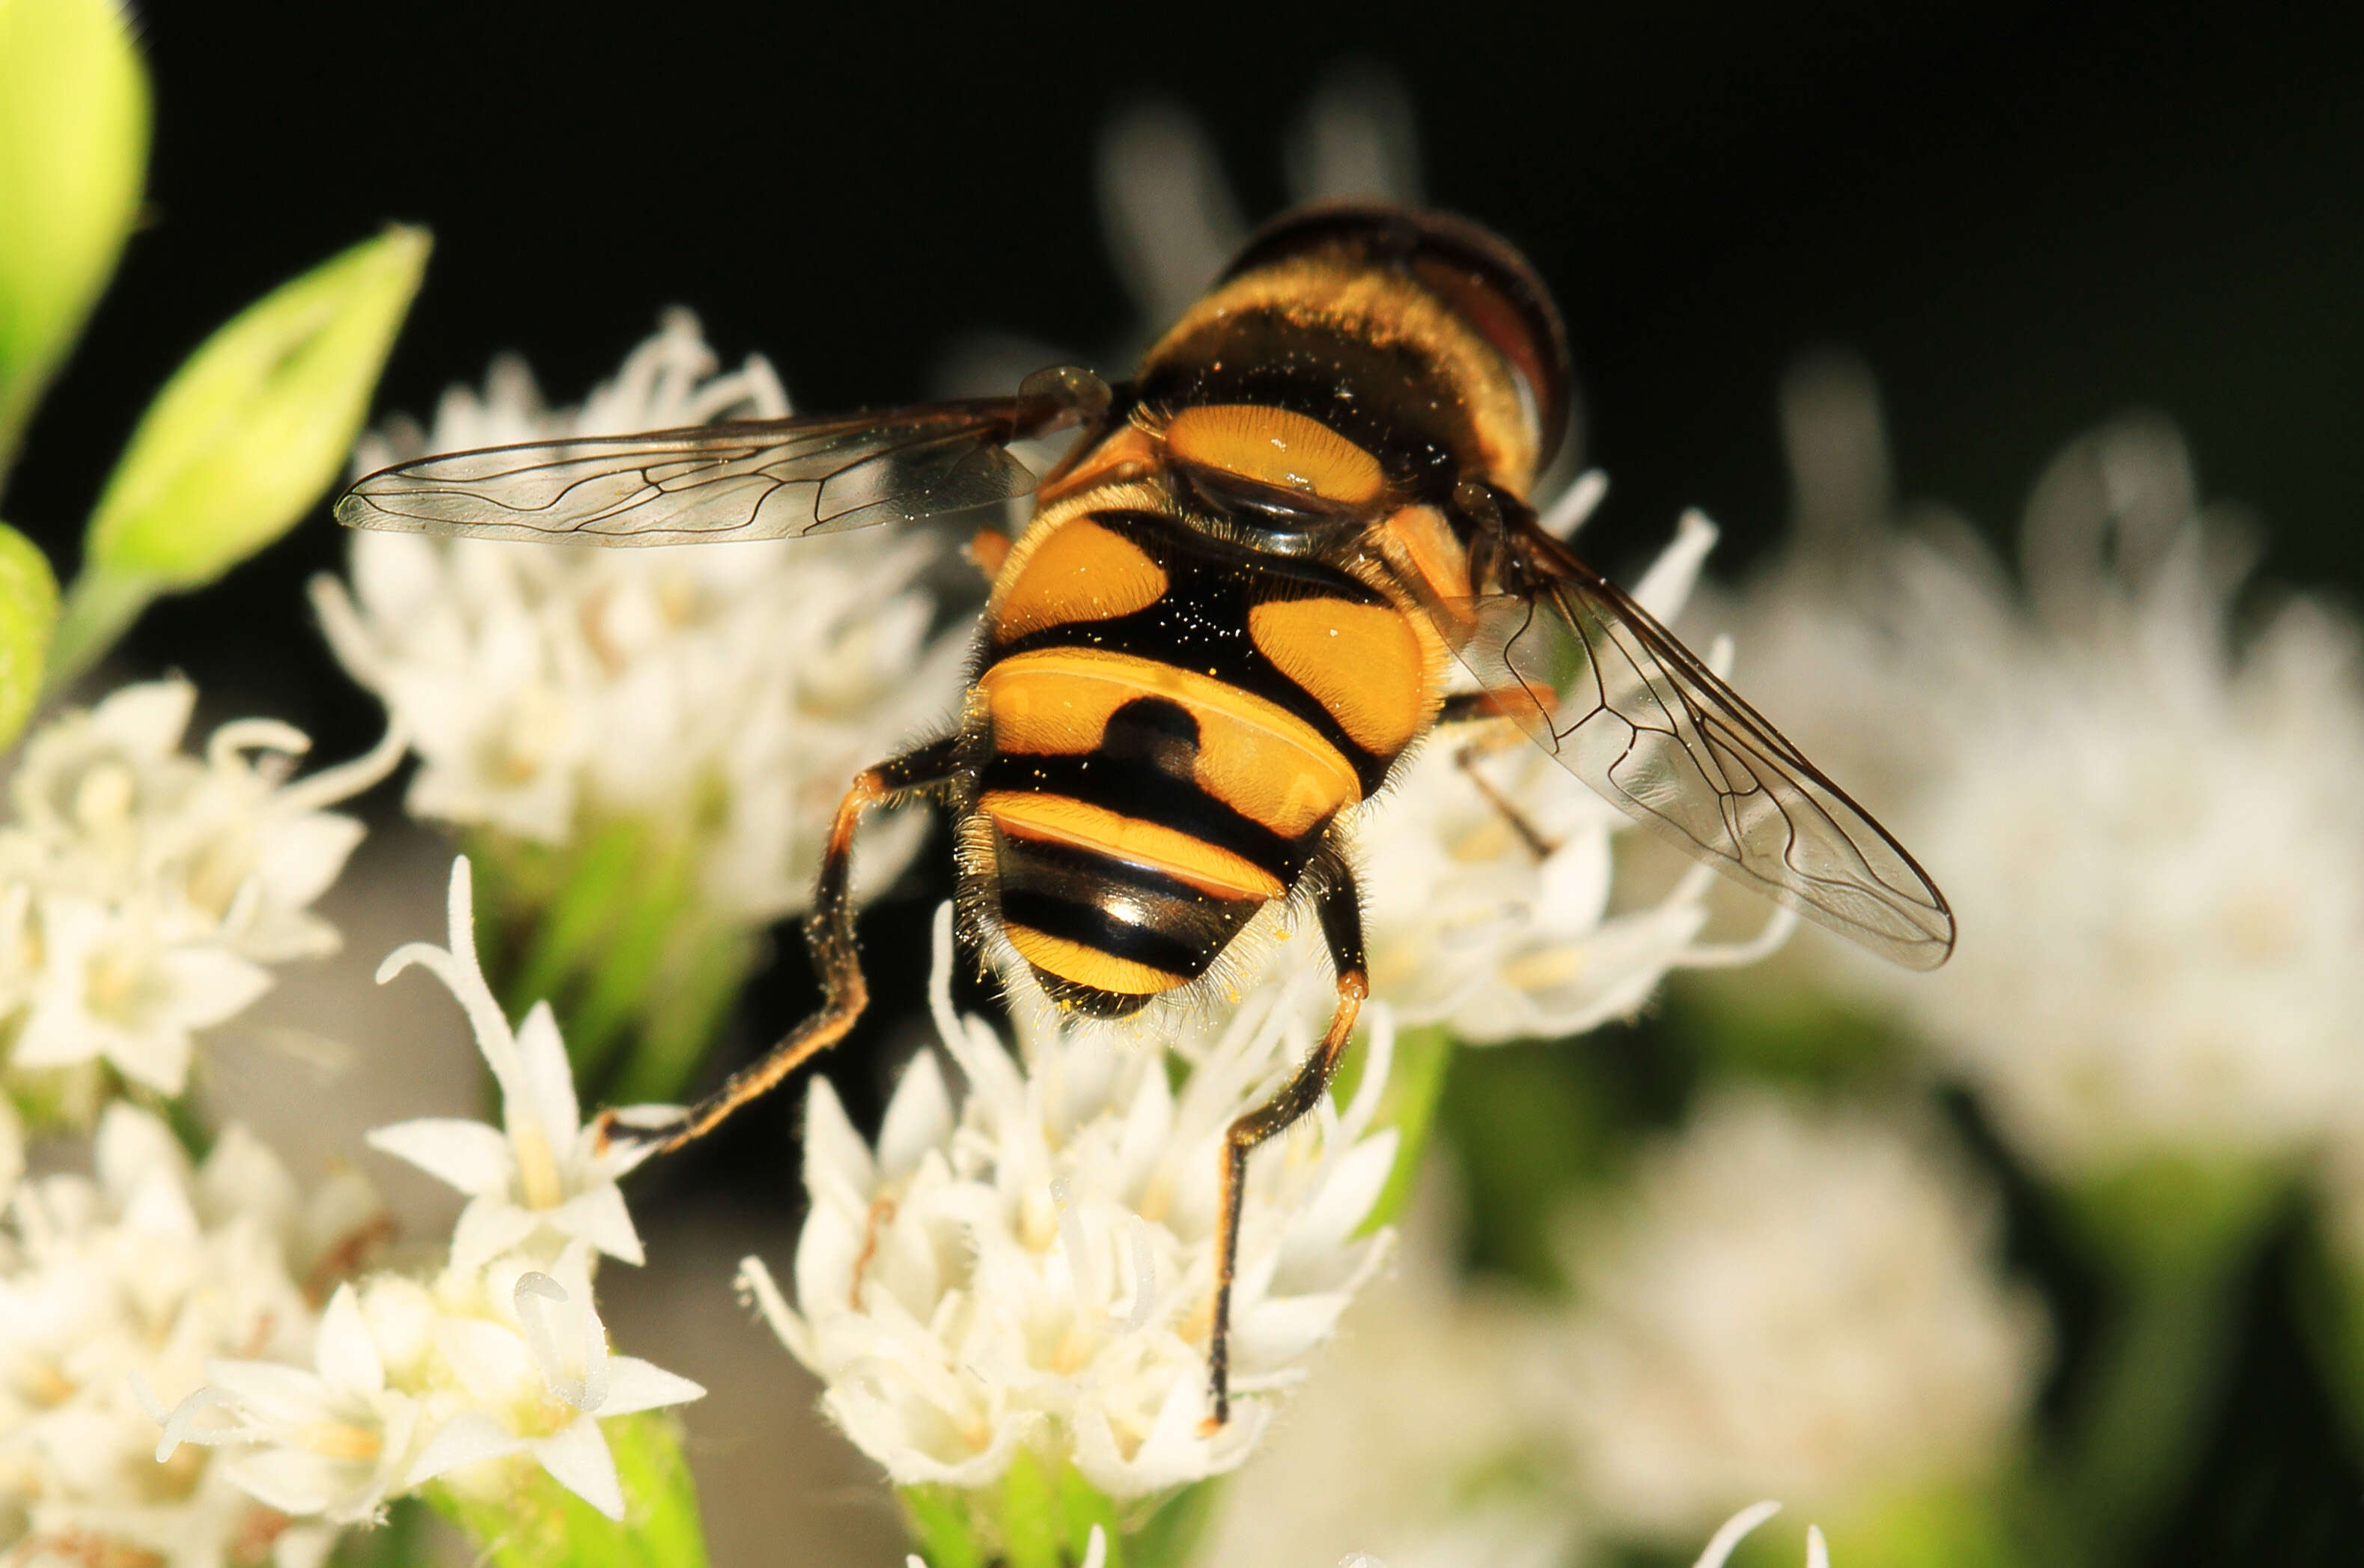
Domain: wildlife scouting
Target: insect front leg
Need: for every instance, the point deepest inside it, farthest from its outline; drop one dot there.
(1475, 707)
(828, 936)
(1338, 904)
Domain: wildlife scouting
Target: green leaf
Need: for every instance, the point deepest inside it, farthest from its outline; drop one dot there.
(73, 147)
(28, 612)
(242, 441)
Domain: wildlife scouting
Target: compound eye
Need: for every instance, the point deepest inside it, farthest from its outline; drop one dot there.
(1274, 448)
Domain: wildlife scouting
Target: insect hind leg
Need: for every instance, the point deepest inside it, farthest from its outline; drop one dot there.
(1338, 903)
(828, 936)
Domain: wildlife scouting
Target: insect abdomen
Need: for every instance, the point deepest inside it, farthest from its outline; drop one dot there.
(1170, 736)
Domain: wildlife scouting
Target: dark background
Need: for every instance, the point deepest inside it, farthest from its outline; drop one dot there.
(2027, 218)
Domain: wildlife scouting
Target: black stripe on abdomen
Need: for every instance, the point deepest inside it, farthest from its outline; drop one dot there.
(1138, 786)
(1115, 907)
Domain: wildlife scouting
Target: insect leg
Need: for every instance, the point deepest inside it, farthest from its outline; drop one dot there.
(1473, 707)
(987, 549)
(1339, 906)
(828, 935)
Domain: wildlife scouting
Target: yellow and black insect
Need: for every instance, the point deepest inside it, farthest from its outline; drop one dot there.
(1230, 618)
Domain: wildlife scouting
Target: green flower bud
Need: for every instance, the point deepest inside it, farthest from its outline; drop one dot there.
(259, 421)
(28, 609)
(242, 441)
(73, 145)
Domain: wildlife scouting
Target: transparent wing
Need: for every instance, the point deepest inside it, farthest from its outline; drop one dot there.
(744, 480)
(1627, 708)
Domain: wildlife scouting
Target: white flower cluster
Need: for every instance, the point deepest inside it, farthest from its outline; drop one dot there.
(137, 1278)
(2149, 829)
(1789, 1300)
(144, 892)
(732, 691)
(1037, 1266)
(499, 1360)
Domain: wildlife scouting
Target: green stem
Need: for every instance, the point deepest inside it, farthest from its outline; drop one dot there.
(1415, 1086)
(99, 609)
(1042, 1515)
(612, 932)
(705, 974)
(2158, 1373)
(2178, 1240)
(399, 1542)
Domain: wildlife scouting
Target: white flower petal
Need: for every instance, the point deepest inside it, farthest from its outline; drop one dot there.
(576, 1457)
(493, 1364)
(837, 1162)
(487, 1228)
(294, 1483)
(549, 1076)
(469, 1438)
(347, 1355)
(467, 1155)
(1729, 1534)
(918, 1116)
(599, 1217)
(634, 1384)
(148, 718)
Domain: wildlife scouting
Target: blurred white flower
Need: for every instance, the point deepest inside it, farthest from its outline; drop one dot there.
(1172, 222)
(542, 1167)
(1410, 1440)
(1038, 1267)
(138, 1279)
(12, 1153)
(2149, 827)
(730, 692)
(1791, 1300)
(143, 890)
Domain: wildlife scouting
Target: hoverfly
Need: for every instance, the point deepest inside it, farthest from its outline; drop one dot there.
(1229, 618)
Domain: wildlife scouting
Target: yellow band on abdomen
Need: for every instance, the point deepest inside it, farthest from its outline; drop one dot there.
(1253, 755)
(1088, 966)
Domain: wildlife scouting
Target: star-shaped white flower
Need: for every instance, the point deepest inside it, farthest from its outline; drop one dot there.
(542, 1167)
(540, 1378)
(113, 983)
(333, 1441)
